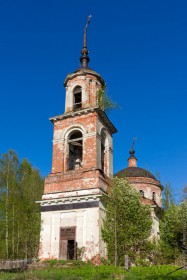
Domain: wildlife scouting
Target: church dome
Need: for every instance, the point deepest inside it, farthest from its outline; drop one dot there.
(134, 172)
(138, 176)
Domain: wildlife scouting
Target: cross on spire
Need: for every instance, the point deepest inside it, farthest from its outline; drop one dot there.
(84, 59)
(132, 151)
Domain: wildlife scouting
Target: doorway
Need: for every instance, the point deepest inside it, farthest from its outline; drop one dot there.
(68, 244)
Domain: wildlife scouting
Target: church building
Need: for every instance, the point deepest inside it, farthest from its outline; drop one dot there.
(72, 210)
(72, 206)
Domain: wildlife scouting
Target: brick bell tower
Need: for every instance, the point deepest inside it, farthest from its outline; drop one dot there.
(72, 208)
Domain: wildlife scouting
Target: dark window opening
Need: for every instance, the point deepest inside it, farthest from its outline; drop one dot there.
(142, 193)
(102, 156)
(103, 152)
(75, 151)
(153, 195)
(77, 95)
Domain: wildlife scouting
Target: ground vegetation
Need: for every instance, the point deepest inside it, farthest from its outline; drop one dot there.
(82, 271)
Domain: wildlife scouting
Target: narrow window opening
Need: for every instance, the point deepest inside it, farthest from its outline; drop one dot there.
(103, 152)
(141, 193)
(75, 151)
(77, 95)
(153, 195)
(102, 156)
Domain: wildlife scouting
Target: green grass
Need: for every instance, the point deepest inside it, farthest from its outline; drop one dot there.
(156, 273)
(89, 272)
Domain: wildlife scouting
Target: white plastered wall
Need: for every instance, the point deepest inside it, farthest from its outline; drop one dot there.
(87, 226)
(155, 225)
(102, 245)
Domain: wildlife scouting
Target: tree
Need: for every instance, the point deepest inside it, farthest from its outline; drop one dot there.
(31, 187)
(171, 233)
(8, 181)
(173, 227)
(20, 186)
(168, 197)
(127, 226)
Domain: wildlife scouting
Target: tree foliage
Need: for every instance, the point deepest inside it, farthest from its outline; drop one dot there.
(20, 186)
(170, 226)
(173, 231)
(168, 197)
(173, 227)
(128, 223)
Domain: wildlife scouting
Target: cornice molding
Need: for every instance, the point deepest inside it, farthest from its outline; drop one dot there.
(86, 111)
(68, 200)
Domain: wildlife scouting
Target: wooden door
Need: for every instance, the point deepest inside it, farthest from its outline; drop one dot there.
(66, 250)
(63, 249)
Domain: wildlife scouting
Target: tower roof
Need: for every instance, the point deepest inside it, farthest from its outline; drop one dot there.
(84, 70)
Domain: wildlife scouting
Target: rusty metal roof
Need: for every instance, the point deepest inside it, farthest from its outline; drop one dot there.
(134, 172)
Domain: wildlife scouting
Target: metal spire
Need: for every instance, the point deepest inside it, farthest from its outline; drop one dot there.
(84, 59)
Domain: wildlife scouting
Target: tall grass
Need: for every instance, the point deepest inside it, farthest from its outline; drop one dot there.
(90, 272)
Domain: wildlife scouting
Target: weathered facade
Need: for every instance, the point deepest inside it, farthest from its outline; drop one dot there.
(72, 209)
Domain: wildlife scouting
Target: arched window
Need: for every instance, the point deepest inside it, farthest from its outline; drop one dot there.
(103, 156)
(141, 193)
(75, 143)
(77, 98)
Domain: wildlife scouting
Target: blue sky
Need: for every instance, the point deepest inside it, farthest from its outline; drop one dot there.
(139, 48)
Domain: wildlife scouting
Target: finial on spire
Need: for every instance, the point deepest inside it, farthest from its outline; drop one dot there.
(84, 59)
(132, 151)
